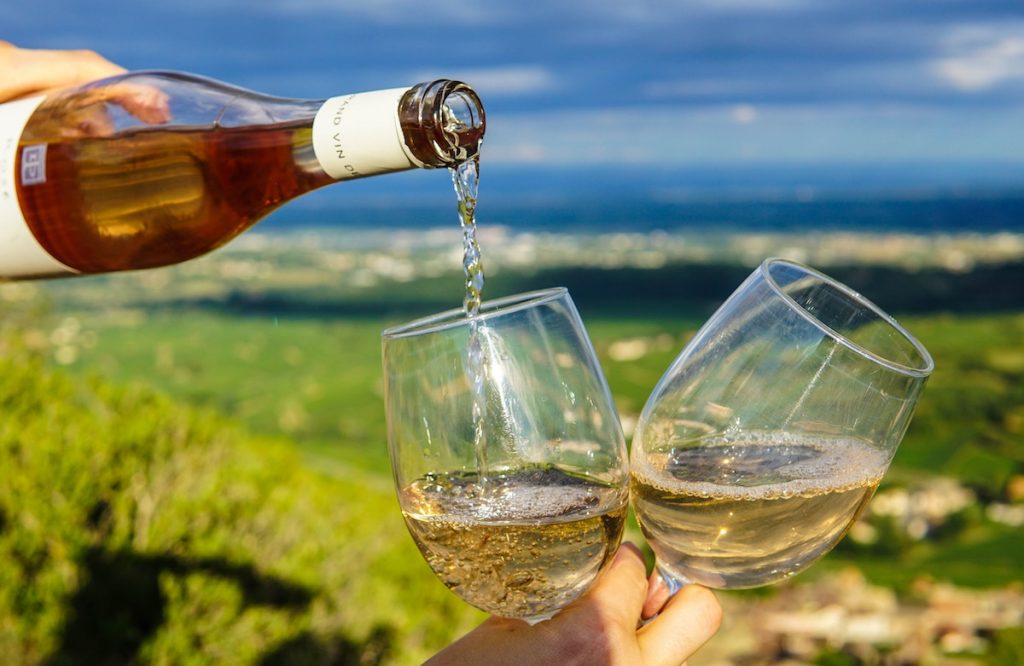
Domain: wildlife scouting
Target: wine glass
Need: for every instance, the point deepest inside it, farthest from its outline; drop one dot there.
(507, 453)
(769, 433)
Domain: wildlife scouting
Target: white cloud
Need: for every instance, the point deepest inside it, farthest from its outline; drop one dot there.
(517, 153)
(709, 86)
(402, 12)
(982, 57)
(663, 11)
(743, 114)
(781, 133)
(497, 81)
(463, 13)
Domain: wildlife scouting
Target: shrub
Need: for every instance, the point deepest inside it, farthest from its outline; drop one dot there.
(135, 529)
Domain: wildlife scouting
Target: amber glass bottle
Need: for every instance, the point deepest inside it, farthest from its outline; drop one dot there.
(154, 168)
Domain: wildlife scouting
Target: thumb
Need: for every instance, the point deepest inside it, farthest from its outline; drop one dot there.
(688, 620)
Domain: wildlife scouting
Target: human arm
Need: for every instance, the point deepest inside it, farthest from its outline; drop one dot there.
(37, 71)
(29, 72)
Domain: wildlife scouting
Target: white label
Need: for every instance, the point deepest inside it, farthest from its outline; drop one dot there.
(360, 135)
(21, 255)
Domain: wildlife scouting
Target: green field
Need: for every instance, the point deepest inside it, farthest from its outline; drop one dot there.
(319, 381)
(318, 384)
(194, 484)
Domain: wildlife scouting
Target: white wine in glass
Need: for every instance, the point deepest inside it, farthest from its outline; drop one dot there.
(529, 544)
(768, 435)
(508, 457)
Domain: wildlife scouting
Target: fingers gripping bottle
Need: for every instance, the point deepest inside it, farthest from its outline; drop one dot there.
(154, 168)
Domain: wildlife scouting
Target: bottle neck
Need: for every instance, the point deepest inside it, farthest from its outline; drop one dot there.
(442, 122)
(358, 135)
(435, 124)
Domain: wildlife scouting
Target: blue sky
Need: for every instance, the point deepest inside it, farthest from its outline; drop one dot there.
(607, 84)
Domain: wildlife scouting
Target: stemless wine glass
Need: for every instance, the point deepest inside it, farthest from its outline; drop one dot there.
(767, 436)
(507, 452)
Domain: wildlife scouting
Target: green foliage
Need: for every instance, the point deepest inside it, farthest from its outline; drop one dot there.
(135, 529)
(891, 541)
(175, 536)
(1007, 648)
(833, 657)
(261, 370)
(318, 382)
(964, 426)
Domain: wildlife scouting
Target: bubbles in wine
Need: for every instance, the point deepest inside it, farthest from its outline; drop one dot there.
(754, 508)
(525, 546)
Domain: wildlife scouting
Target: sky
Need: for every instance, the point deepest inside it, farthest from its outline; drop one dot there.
(605, 85)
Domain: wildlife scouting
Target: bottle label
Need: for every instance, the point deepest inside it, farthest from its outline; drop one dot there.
(360, 135)
(21, 255)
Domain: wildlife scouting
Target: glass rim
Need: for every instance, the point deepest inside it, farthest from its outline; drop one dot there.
(456, 317)
(928, 364)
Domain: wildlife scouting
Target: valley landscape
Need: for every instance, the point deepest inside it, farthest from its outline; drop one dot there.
(239, 504)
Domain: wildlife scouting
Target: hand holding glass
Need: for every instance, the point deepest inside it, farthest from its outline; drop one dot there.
(507, 453)
(767, 436)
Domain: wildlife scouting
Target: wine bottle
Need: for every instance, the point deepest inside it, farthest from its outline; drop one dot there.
(154, 168)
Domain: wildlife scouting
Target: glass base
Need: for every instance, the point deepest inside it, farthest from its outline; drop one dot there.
(674, 583)
(537, 619)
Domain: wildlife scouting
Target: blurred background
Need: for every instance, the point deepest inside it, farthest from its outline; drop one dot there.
(193, 465)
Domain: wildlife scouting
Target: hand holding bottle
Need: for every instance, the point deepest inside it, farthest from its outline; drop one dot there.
(601, 627)
(39, 71)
